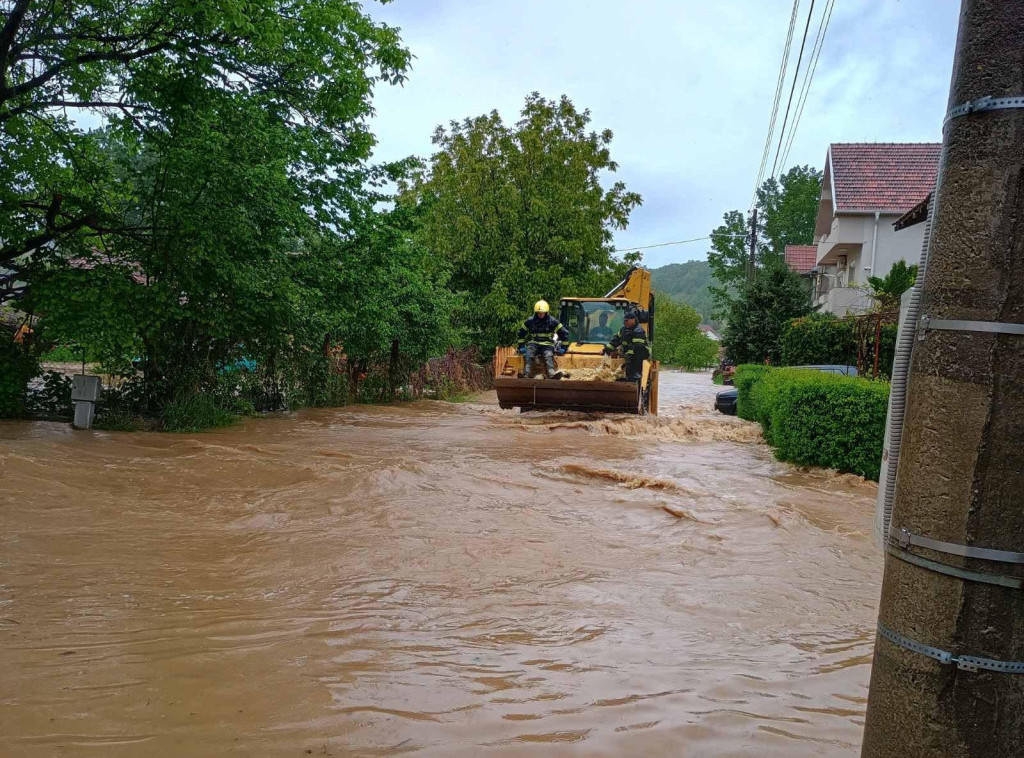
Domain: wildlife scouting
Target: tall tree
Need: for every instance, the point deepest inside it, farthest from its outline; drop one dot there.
(139, 67)
(787, 209)
(520, 212)
(679, 341)
(759, 314)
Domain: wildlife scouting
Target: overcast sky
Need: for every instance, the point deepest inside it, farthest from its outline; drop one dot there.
(685, 85)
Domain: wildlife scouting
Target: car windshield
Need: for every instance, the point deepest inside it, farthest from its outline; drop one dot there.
(595, 322)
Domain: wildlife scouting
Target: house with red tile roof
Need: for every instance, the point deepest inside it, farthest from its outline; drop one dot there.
(801, 258)
(865, 190)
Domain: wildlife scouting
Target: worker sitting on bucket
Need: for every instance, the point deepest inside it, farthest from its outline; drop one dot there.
(537, 338)
(632, 339)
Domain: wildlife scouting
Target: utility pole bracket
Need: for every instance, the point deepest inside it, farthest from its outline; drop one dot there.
(982, 104)
(957, 325)
(963, 662)
(905, 538)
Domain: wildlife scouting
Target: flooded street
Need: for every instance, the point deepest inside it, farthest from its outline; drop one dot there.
(438, 579)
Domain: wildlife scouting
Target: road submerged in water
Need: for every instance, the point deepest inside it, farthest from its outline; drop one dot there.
(432, 578)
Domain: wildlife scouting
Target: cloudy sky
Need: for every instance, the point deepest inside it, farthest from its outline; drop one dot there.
(686, 86)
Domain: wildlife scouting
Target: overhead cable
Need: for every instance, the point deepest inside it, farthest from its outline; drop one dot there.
(677, 242)
(783, 65)
(808, 78)
(792, 90)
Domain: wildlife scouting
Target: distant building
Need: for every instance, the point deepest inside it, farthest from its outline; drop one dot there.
(710, 333)
(801, 258)
(866, 192)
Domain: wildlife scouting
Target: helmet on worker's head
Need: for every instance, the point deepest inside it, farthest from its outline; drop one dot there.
(542, 307)
(630, 314)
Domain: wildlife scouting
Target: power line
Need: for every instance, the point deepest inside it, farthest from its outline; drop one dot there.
(792, 89)
(677, 242)
(819, 43)
(783, 65)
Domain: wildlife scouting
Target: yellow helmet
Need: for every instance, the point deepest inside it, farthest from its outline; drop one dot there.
(541, 306)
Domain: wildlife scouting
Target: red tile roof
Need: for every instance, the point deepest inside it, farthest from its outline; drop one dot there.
(801, 258)
(883, 176)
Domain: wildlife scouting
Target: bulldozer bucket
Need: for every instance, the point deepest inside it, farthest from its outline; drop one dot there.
(530, 394)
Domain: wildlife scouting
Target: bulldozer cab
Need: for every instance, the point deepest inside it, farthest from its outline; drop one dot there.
(592, 322)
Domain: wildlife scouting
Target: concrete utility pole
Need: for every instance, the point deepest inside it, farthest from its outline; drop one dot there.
(961, 470)
(752, 264)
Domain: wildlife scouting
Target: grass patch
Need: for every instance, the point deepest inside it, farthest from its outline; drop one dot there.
(195, 413)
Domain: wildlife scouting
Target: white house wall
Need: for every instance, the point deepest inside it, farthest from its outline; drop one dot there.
(890, 245)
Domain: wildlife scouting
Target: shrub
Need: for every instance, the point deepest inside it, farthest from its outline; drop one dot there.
(820, 338)
(52, 397)
(17, 367)
(194, 413)
(817, 419)
(746, 376)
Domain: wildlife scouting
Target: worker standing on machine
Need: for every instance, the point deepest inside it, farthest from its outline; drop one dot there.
(632, 339)
(537, 337)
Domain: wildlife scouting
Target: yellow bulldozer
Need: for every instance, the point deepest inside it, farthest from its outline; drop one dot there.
(590, 321)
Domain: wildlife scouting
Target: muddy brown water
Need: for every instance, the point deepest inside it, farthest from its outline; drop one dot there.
(433, 579)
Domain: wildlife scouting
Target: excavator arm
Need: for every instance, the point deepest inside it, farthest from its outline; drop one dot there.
(635, 287)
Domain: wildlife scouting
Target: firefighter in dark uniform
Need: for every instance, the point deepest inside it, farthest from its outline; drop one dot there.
(537, 337)
(632, 339)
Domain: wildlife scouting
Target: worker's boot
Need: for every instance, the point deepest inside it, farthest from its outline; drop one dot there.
(549, 366)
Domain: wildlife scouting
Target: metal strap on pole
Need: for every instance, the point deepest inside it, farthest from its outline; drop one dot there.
(963, 662)
(983, 104)
(1000, 580)
(905, 537)
(956, 325)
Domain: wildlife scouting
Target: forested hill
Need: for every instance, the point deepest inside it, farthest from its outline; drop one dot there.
(687, 282)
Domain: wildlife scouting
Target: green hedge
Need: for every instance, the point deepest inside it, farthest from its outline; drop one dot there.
(746, 376)
(817, 419)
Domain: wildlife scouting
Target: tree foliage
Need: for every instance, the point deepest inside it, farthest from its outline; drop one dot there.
(887, 290)
(155, 71)
(678, 340)
(224, 212)
(759, 315)
(787, 209)
(520, 212)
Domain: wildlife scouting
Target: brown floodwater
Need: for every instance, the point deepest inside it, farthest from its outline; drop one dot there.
(439, 579)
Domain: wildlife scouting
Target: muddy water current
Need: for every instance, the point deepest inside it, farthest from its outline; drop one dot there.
(438, 579)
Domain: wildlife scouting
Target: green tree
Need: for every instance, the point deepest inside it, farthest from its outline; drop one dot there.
(678, 340)
(787, 209)
(728, 258)
(520, 213)
(226, 209)
(309, 66)
(761, 312)
(887, 290)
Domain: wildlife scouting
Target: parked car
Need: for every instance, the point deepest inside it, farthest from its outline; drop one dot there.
(725, 401)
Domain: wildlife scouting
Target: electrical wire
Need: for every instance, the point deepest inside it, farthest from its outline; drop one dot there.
(819, 43)
(678, 242)
(792, 90)
(778, 97)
